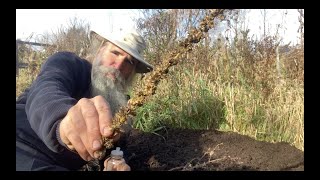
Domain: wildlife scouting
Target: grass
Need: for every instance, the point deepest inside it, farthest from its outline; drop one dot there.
(28, 74)
(238, 99)
(23, 81)
(229, 101)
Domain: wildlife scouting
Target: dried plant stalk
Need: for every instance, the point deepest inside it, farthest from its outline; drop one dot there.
(154, 77)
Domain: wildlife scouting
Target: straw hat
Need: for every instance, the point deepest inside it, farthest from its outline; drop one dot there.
(129, 41)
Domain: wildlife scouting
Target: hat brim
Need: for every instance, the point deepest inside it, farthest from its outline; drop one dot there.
(142, 66)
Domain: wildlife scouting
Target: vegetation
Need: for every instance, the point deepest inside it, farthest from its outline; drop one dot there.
(253, 87)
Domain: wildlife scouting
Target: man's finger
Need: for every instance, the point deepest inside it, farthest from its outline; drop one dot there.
(92, 138)
(76, 143)
(105, 116)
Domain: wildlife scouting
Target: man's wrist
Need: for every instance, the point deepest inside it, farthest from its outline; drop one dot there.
(59, 138)
(58, 135)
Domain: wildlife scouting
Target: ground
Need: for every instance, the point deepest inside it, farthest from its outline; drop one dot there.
(208, 150)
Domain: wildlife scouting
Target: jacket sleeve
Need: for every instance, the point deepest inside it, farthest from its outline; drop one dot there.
(63, 77)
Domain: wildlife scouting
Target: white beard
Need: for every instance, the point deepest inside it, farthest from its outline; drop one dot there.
(112, 90)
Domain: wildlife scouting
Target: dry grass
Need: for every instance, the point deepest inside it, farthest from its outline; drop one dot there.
(216, 91)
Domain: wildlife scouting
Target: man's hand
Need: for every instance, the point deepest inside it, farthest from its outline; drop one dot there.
(85, 124)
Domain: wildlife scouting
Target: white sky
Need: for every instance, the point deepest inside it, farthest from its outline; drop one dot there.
(289, 23)
(38, 21)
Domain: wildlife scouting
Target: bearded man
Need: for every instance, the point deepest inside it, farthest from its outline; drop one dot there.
(62, 117)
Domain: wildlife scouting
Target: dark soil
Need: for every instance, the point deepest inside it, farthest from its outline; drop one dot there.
(205, 150)
(208, 150)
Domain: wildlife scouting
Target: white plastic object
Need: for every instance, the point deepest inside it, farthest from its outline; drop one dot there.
(116, 158)
(117, 152)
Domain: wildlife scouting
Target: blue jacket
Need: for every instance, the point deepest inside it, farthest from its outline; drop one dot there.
(63, 80)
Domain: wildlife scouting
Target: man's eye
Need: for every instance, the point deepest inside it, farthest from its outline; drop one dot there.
(115, 52)
(129, 61)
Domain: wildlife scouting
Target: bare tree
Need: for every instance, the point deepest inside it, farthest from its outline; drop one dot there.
(277, 44)
(301, 21)
(163, 28)
(264, 16)
(74, 37)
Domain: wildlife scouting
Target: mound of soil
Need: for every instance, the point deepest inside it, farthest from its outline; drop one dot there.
(208, 150)
(204, 150)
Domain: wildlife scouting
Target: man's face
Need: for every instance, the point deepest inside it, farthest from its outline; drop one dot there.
(110, 55)
(112, 72)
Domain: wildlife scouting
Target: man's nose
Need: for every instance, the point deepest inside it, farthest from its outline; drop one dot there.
(118, 63)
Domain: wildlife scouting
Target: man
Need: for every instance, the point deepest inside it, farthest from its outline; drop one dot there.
(62, 117)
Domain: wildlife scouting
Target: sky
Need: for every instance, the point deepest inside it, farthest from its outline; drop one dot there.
(38, 21)
(287, 19)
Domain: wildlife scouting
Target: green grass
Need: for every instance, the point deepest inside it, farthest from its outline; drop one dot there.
(192, 99)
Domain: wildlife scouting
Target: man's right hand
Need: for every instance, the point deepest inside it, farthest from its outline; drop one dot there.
(85, 124)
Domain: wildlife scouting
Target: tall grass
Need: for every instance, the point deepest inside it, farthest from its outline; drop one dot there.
(185, 102)
(28, 74)
(217, 91)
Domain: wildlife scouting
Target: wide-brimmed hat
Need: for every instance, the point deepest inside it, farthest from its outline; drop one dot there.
(129, 41)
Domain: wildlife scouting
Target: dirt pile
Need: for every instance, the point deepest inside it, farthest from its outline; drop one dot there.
(208, 150)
